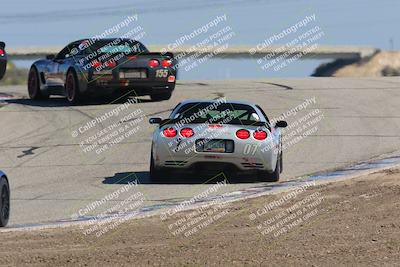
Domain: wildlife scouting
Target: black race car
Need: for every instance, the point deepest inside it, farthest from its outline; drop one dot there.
(103, 67)
(3, 60)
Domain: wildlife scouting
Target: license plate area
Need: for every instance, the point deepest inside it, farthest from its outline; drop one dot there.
(214, 145)
(133, 74)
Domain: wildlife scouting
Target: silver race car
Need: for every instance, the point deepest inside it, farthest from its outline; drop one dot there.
(4, 200)
(217, 135)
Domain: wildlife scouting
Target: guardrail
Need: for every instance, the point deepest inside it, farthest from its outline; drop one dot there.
(234, 51)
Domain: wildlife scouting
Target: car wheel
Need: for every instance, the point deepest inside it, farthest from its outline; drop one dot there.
(4, 201)
(155, 174)
(72, 88)
(3, 68)
(274, 176)
(34, 85)
(161, 97)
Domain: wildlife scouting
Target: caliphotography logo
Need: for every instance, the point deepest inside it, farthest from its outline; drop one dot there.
(199, 133)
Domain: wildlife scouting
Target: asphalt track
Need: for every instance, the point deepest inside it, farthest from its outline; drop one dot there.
(52, 178)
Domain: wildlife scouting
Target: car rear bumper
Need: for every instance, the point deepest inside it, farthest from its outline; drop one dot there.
(188, 159)
(136, 86)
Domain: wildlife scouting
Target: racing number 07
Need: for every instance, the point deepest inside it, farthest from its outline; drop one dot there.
(250, 149)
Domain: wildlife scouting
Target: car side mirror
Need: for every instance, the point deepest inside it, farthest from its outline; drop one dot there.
(50, 57)
(156, 120)
(281, 124)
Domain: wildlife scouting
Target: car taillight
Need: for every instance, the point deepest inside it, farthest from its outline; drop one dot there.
(169, 132)
(171, 78)
(111, 64)
(260, 135)
(153, 63)
(131, 57)
(166, 63)
(96, 63)
(124, 82)
(187, 132)
(215, 126)
(242, 134)
(2, 52)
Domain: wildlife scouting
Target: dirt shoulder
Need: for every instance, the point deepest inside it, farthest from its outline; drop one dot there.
(353, 222)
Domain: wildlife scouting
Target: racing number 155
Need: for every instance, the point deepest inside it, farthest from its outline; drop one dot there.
(161, 73)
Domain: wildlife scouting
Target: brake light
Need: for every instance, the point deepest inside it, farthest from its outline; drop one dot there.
(111, 64)
(2, 52)
(260, 135)
(131, 57)
(166, 63)
(153, 63)
(187, 132)
(169, 132)
(215, 126)
(171, 78)
(124, 82)
(96, 63)
(242, 134)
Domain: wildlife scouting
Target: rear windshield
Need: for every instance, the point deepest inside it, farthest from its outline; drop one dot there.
(116, 46)
(225, 113)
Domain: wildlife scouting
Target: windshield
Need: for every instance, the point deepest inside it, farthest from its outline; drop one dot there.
(116, 46)
(226, 113)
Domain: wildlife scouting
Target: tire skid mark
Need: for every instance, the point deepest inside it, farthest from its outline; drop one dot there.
(279, 85)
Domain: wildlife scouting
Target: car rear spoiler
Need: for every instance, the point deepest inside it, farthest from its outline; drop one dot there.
(168, 54)
(243, 122)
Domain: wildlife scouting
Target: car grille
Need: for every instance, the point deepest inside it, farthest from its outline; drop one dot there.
(175, 163)
(252, 165)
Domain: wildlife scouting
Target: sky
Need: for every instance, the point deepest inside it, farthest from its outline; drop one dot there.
(46, 23)
(55, 23)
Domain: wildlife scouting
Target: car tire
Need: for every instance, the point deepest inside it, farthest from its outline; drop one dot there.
(72, 88)
(4, 201)
(3, 68)
(274, 176)
(155, 173)
(161, 97)
(34, 86)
